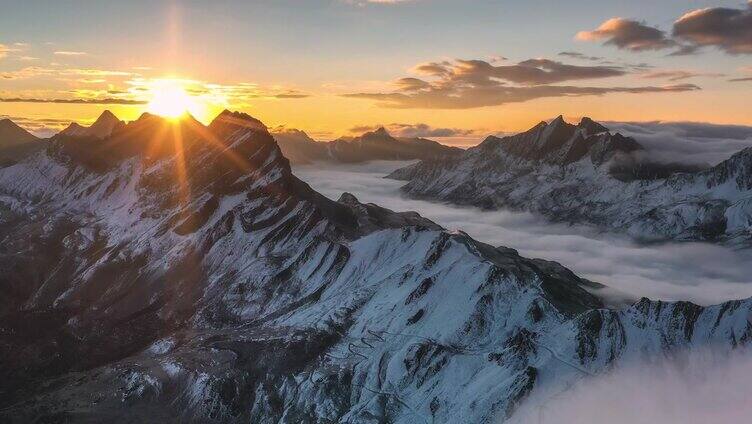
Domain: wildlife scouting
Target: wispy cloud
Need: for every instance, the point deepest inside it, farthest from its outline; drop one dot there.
(4, 50)
(463, 84)
(93, 101)
(69, 53)
(38, 71)
(678, 75)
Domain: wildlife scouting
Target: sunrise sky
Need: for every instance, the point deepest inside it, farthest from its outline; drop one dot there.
(448, 67)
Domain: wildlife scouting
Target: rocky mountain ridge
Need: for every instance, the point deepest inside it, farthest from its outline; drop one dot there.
(175, 271)
(585, 174)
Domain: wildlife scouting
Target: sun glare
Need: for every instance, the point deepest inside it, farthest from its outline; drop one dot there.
(171, 100)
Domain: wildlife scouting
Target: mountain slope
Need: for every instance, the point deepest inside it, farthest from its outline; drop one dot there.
(585, 174)
(16, 143)
(375, 145)
(181, 272)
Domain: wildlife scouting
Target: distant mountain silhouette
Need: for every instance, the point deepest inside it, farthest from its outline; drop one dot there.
(103, 127)
(16, 143)
(374, 145)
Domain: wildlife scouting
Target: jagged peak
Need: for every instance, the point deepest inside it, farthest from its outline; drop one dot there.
(348, 199)
(238, 119)
(381, 131)
(559, 120)
(591, 127)
(378, 134)
(107, 117)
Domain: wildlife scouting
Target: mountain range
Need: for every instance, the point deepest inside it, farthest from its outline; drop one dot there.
(299, 148)
(173, 271)
(103, 127)
(586, 174)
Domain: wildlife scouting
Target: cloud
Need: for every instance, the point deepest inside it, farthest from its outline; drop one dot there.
(464, 84)
(725, 28)
(411, 84)
(678, 75)
(629, 35)
(687, 142)
(703, 273)
(414, 130)
(4, 50)
(688, 387)
(37, 71)
(92, 101)
(742, 79)
(528, 72)
(69, 53)
(471, 96)
(577, 55)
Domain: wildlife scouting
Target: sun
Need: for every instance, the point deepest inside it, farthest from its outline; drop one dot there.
(170, 99)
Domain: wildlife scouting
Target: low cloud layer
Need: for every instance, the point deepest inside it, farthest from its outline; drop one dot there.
(699, 272)
(687, 142)
(694, 387)
(727, 29)
(464, 84)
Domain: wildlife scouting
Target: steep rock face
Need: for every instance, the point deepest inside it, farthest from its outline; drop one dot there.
(374, 145)
(182, 272)
(574, 174)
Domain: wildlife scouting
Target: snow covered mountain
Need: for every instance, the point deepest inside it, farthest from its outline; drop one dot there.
(297, 146)
(16, 143)
(101, 128)
(585, 174)
(177, 272)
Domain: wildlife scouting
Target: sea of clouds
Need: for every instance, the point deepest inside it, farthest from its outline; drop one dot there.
(700, 272)
(693, 387)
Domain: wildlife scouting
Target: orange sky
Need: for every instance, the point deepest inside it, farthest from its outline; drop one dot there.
(329, 66)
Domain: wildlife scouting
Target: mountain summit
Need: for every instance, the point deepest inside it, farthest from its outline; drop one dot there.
(12, 135)
(103, 127)
(16, 143)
